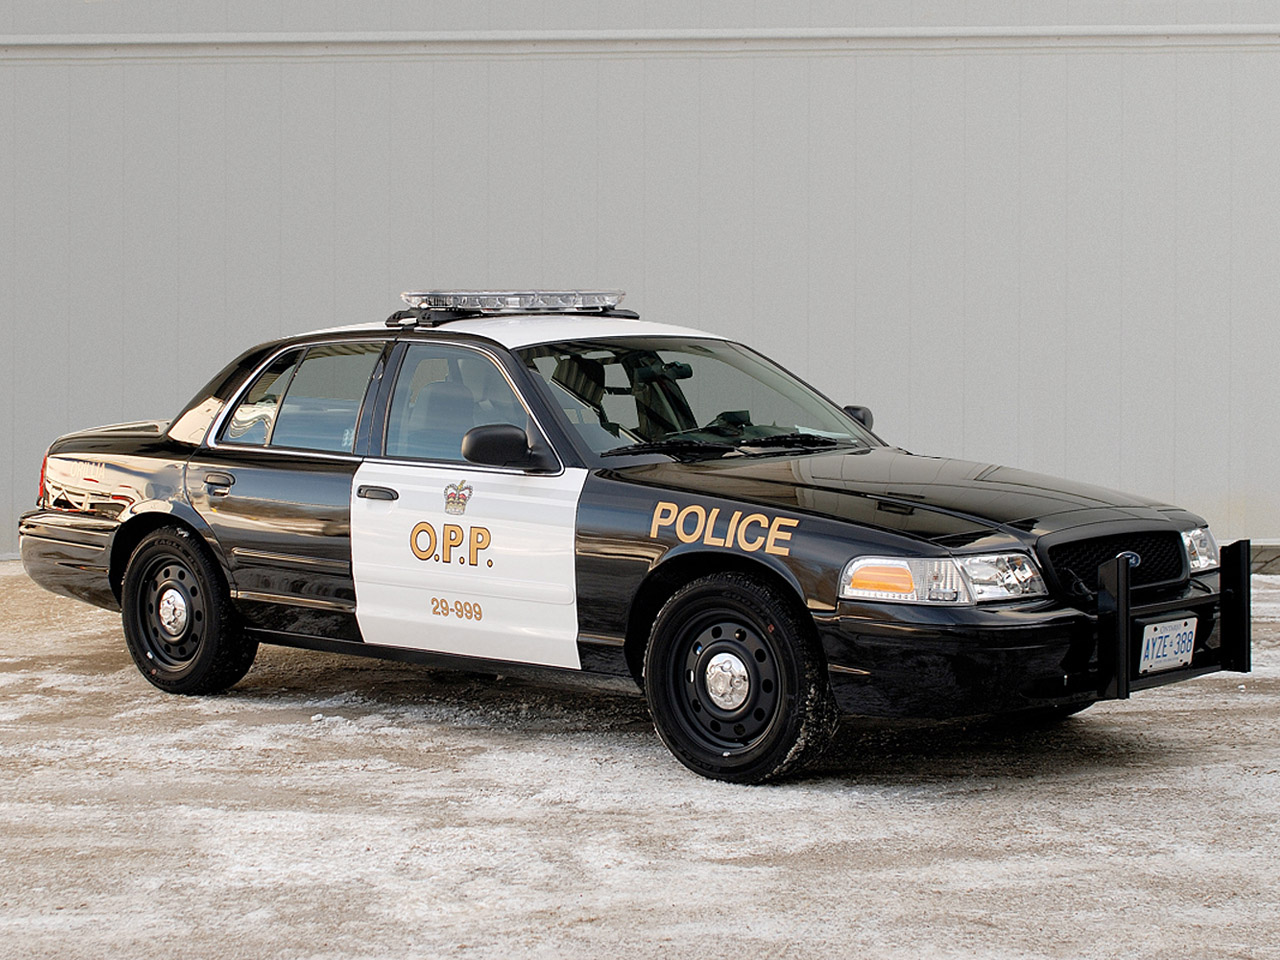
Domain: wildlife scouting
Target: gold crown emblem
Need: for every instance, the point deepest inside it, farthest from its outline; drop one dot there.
(456, 496)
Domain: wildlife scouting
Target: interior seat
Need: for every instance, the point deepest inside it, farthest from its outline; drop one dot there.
(444, 412)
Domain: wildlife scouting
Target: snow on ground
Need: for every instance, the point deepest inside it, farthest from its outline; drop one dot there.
(1266, 599)
(330, 807)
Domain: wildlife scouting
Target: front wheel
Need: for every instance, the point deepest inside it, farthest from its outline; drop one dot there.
(735, 681)
(179, 624)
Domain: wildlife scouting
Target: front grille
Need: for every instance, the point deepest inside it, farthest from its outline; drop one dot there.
(1077, 562)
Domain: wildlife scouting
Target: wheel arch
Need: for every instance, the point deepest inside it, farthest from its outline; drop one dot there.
(147, 518)
(674, 572)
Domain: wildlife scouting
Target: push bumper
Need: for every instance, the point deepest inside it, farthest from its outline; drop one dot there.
(1120, 624)
(929, 663)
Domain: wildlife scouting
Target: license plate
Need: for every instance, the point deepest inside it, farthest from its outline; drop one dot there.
(1167, 645)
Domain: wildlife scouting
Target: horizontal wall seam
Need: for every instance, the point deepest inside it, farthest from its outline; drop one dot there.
(630, 43)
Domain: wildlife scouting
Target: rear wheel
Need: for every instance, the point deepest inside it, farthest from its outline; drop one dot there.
(735, 681)
(179, 624)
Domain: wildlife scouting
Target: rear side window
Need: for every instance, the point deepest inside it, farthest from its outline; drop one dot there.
(322, 404)
(306, 400)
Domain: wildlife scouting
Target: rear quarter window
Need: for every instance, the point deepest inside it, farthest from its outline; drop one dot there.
(251, 421)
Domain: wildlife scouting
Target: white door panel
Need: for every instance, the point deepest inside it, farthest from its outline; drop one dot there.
(489, 573)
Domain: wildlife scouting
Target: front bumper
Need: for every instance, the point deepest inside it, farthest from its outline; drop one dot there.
(938, 664)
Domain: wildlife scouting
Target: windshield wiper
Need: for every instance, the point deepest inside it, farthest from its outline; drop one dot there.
(794, 440)
(676, 446)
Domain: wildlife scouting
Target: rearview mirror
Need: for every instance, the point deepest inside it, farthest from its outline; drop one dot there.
(664, 371)
(861, 414)
(506, 445)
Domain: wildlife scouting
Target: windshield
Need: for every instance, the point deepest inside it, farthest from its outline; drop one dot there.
(658, 394)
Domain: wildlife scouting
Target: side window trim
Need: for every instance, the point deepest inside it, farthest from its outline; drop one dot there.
(382, 416)
(373, 406)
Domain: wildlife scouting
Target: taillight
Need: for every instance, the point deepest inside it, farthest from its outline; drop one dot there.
(44, 465)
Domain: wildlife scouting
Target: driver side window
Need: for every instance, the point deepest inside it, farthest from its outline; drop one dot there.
(441, 392)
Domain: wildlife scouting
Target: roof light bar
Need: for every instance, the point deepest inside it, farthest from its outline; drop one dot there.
(514, 301)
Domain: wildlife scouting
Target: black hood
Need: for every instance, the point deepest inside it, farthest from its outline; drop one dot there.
(954, 502)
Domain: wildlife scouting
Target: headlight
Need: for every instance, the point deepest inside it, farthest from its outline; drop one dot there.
(1002, 576)
(1202, 549)
(964, 580)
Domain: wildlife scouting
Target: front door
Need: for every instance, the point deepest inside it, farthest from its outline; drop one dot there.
(455, 558)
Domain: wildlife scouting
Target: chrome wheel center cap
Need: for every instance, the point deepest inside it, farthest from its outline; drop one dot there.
(727, 681)
(173, 612)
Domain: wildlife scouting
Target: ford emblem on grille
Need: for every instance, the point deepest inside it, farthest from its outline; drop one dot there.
(1134, 559)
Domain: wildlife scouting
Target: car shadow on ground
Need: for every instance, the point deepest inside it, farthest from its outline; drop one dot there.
(862, 752)
(563, 704)
(914, 752)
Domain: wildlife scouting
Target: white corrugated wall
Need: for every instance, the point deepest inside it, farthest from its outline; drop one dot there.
(1018, 232)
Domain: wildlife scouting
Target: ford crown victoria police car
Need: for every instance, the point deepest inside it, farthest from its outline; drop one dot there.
(542, 479)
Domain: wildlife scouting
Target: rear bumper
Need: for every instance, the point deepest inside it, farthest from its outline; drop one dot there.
(926, 664)
(69, 555)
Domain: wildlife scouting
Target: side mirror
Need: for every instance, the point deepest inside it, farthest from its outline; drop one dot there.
(861, 414)
(505, 445)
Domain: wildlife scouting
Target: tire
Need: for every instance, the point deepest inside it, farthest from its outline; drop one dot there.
(179, 625)
(736, 682)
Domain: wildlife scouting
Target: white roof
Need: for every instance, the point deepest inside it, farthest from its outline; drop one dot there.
(521, 330)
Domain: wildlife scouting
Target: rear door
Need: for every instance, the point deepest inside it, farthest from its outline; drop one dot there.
(452, 557)
(275, 481)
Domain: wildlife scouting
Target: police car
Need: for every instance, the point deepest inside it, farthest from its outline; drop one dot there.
(492, 479)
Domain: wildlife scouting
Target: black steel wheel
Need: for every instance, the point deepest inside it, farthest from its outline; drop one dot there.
(736, 682)
(179, 624)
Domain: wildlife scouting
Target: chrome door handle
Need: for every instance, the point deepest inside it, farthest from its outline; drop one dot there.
(218, 484)
(376, 493)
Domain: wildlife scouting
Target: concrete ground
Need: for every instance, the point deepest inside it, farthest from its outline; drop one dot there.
(331, 807)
